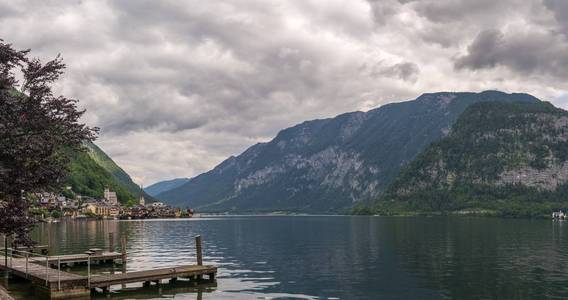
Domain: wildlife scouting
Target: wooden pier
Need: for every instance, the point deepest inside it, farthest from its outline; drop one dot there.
(193, 272)
(104, 257)
(43, 249)
(57, 284)
(53, 282)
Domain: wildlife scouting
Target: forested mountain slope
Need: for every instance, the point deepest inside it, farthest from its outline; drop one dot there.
(329, 165)
(510, 158)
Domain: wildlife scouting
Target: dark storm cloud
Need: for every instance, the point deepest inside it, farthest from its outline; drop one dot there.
(177, 86)
(383, 10)
(487, 50)
(560, 10)
(406, 71)
(462, 10)
(522, 52)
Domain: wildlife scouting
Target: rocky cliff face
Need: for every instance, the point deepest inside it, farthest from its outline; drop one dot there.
(496, 156)
(328, 165)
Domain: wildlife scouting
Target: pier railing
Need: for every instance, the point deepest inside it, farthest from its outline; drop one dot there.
(39, 268)
(32, 258)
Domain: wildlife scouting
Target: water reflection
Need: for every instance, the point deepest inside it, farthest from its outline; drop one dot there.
(336, 257)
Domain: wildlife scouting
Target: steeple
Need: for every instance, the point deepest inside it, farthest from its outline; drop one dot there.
(142, 200)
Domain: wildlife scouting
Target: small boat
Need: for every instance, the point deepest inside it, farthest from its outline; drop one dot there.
(559, 215)
(52, 220)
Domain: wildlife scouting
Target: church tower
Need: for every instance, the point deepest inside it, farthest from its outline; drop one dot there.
(142, 200)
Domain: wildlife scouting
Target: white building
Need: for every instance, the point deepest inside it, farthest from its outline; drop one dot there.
(110, 197)
(158, 205)
(142, 201)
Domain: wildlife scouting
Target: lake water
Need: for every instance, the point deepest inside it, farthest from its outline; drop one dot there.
(336, 257)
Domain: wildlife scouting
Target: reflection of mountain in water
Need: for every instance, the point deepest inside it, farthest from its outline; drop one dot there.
(345, 257)
(468, 258)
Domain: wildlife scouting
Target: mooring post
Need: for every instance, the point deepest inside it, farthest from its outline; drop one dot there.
(5, 250)
(27, 260)
(198, 250)
(123, 252)
(11, 243)
(59, 274)
(89, 271)
(111, 242)
(47, 271)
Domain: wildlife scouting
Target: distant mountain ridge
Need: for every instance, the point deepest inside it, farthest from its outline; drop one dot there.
(164, 186)
(330, 164)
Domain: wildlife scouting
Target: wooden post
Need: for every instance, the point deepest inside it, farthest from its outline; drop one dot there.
(58, 274)
(111, 242)
(198, 250)
(89, 271)
(6, 251)
(123, 250)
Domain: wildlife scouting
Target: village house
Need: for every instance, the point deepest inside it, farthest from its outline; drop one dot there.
(100, 208)
(110, 197)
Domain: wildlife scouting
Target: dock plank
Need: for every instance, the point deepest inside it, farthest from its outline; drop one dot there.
(75, 258)
(57, 284)
(38, 273)
(152, 275)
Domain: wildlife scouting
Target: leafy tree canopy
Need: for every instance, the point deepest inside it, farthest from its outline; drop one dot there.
(39, 131)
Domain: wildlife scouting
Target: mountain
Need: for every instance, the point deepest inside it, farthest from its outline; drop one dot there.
(506, 158)
(328, 165)
(103, 160)
(164, 186)
(93, 170)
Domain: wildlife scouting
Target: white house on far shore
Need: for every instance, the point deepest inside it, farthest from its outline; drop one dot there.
(110, 197)
(158, 205)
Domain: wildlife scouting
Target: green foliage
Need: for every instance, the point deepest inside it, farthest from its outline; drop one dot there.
(90, 179)
(56, 214)
(68, 194)
(362, 209)
(103, 160)
(39, 211)
(462, 172)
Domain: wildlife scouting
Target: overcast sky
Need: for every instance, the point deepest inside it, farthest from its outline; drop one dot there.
(178, 86)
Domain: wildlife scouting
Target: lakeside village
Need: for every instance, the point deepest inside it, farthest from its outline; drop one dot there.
(52, 207)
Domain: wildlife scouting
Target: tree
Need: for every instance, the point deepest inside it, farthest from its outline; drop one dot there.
(39, 132)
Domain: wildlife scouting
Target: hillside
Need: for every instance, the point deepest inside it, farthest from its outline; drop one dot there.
(93, 170)
(509, 158)
(103, 160)
(164, 186)
(330, 164)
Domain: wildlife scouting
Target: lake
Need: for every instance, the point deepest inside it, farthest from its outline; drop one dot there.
(335, 257)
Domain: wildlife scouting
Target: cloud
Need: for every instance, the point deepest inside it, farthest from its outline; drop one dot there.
(528, 53)
(452, 11)
(559, 9)
(177, 86)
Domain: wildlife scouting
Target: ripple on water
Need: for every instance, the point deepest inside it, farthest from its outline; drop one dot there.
(317, 257)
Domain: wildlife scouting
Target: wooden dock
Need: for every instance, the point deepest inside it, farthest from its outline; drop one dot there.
(84, 258)
(49, 280)
(43, 249)
(57, 284)
(193, 272)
